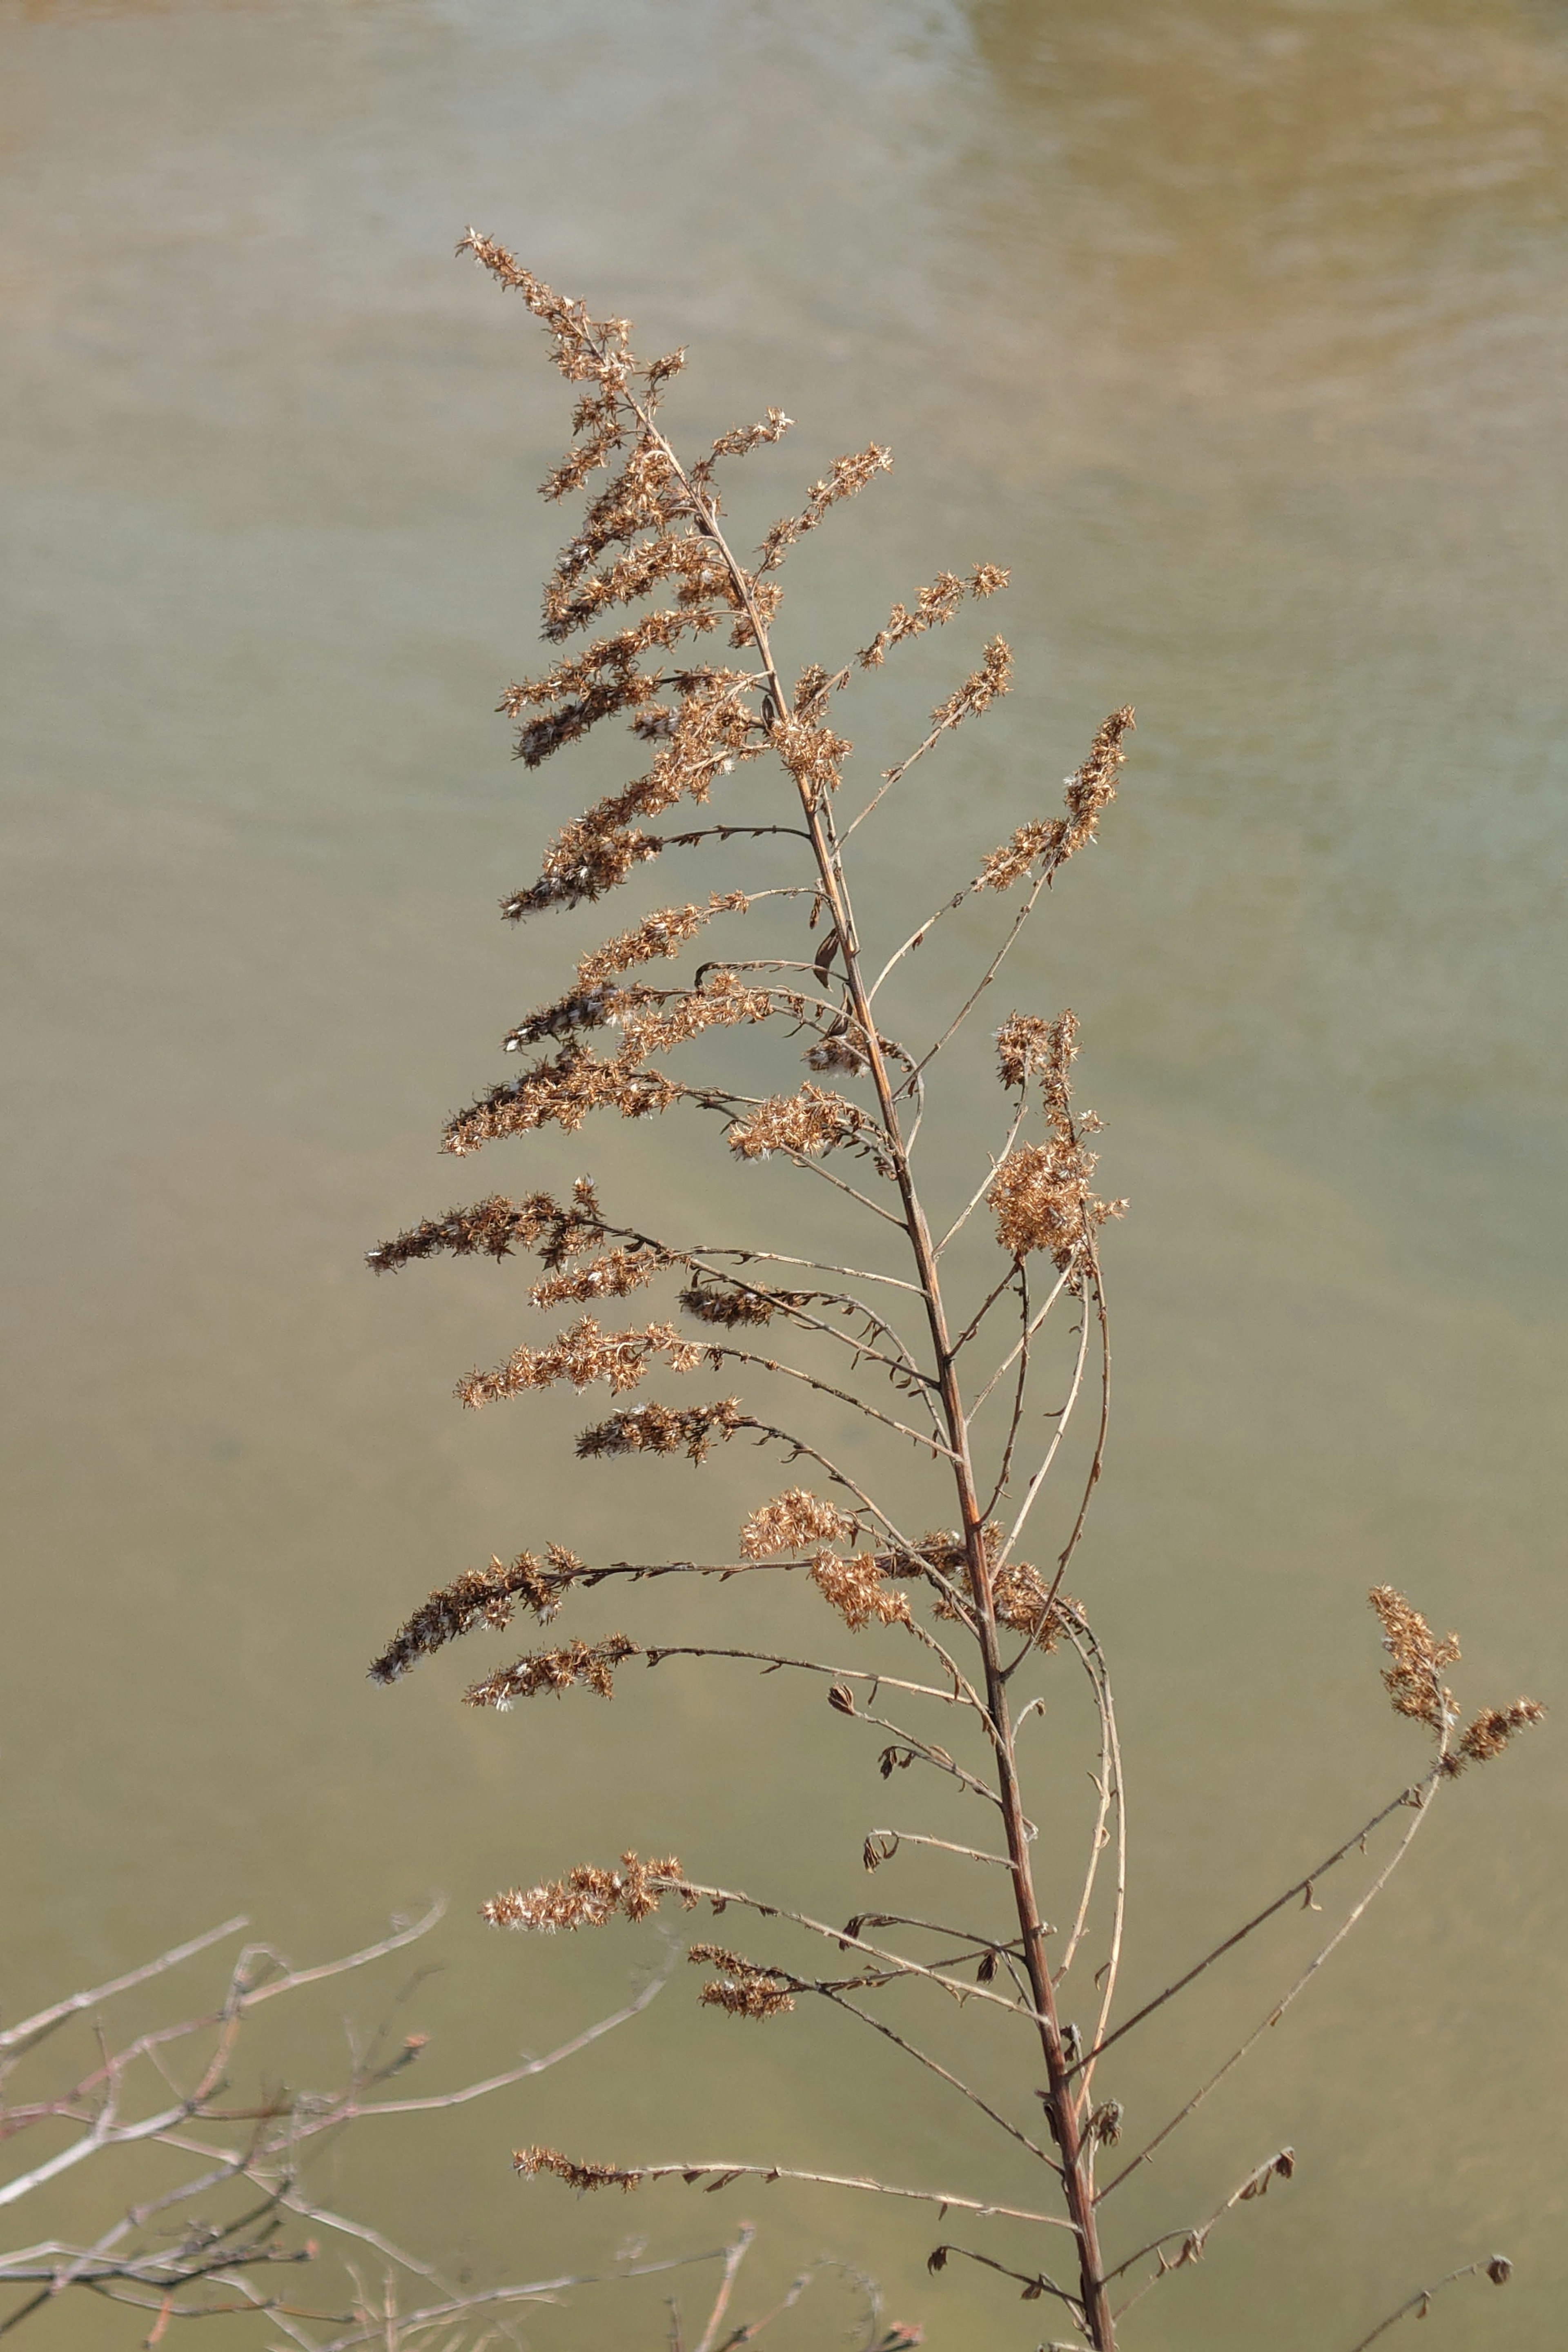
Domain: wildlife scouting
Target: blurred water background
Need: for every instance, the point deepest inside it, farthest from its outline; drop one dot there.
(1237, 328)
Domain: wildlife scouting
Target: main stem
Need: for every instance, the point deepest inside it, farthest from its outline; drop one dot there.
(1061, 2101)
(1061, 2104)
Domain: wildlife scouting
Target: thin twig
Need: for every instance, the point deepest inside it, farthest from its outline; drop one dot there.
(1303, 1886)
(1497, 2269)
(1422, 1799)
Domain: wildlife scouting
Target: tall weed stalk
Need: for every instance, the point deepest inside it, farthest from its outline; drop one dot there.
(957, 1632)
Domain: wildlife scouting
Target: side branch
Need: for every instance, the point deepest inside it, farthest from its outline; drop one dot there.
(1421, 1799)
(531, 2161)
(1499, 2269)
(1302, 1887)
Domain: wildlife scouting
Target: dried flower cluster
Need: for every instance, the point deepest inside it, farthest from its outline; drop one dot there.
(582, 1356)
(663, 1428)
(792, 1521)
(805, 1124)
(973, 697)
(661, 934)
(1041, 1191)
(1492, 1730)
(1042, 1200)
(742, 1988)
(733, 1305)
(528, 2161)
(592, 1664)
(1414, 1681)
(1025, 1605)
(913, 1346)
(482, 1595)
(1025, 1044)
(616, 1275)
(854, 1587)
(1049, 843)
(588, 1897)
(497, 1226)
(934, 607)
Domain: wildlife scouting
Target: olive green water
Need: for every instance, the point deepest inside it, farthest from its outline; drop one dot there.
(1238, 330)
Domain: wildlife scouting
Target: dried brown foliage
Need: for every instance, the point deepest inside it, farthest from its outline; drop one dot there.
(480, 1595)
(592, 1664)
(1414, 1681)
(793, 1521)
(967, 1353)
(588, 1897)
(740, 1987)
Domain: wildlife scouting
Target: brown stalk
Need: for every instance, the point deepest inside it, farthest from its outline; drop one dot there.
(1061, 2105)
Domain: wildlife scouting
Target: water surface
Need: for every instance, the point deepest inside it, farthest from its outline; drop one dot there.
(1238, 332)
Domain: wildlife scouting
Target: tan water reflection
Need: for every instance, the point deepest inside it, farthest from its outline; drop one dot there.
(1238, 332)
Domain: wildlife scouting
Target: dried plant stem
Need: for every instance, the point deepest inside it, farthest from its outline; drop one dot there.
(991, 969)
(719, 2175)
(1420, 1798)
(1497, 2269)
(20, 2037)
(1302, 1889)
(1032, 1492)
(773, 1662)
(900, 1964)
(655, 525)
(922, 2058)
(1193, 2242)
(1061, 2104)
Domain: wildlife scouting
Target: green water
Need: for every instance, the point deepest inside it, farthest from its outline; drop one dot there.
(1238, 332)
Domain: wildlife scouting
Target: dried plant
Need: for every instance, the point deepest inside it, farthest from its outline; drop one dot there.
(959, 1624)
(222, 2240)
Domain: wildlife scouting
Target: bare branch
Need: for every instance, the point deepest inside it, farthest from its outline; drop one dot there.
(33, 2029)
(878, 2025)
